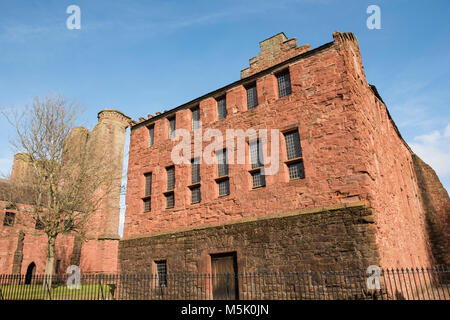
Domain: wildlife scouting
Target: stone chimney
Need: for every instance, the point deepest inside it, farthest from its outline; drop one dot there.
(274, 50)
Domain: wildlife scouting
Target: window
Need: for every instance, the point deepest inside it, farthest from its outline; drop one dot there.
(224, 187)
(170, 178)
(221, 108)
(147, 193)
(151, 135)
(195, 170)
(170, 200)
(9, 219)
(294, 156)
(39, 225)
(196, 196)
(252, 97)
(195, 118)
(172, 127)
(57, 266)
(256, 159)
(222, 163)
(284, 84)
(161, 272)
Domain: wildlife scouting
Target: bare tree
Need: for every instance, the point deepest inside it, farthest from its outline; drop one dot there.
(67, 177)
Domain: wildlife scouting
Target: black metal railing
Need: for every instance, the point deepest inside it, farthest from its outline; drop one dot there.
(391, 284)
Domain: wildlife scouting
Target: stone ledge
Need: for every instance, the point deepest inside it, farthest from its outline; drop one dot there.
(306, 211)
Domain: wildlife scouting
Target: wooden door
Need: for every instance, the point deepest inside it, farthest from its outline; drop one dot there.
(224, 276)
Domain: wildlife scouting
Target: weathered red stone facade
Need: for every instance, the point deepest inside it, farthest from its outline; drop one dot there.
(352, 152)
(98, 253)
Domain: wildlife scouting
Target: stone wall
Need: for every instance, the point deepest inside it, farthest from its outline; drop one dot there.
(337, 237)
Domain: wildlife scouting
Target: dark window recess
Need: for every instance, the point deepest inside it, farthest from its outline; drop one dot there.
(170, 200)
(39, 225)
(195, 118)
(284, 84)
(151, 135)
(161, 271)
(147, 204)
(68, 224)
(195, 171)
(256, 157)
(172, 127)
(224, 187)
(57, 266)
(222, 163)
(148, 184)
(170, 178)
(9, 219)
(221, 108)
(296, 170)
(258, 178)
(293, 148)
(196, 196)
(252, 97)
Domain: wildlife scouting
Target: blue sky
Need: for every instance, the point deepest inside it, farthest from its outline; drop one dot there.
(146, 56)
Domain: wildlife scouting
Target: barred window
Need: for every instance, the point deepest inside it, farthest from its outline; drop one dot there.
(9, 219)
(151, 135)
(258, 178)
(195, 118)
(172, 126)
(39, 225)
(147, 204)
(224, 187)
(161, 271)
(284, 84)
(195, 170)
(170, 200)
(148, 184)
(221, 108)
(296, 170)
(252, 97)
(256, 158)
(222, 163)
(293, 148)
(170, 178)
(196, 196)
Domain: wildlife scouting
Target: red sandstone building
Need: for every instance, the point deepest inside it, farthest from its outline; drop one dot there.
(349, 192)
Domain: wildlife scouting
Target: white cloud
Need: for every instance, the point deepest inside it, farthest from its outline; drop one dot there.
(434, 149)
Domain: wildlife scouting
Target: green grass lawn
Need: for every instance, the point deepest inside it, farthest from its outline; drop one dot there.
(57, 292)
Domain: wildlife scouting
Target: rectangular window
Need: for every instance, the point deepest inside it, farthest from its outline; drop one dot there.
(147, 204)
(195, 170)
(170, 178)
(147, 193)
(284, 84)
(224, 187)
(161, 272)
(170, 200)
(294, 155)
(196, 196)
(9, 219)
(195, 118)
(258, 178)
(221, 108)
(222, 163)
(256, 158)
(151, 135)
(252, 97)
(172, 127)
(293, 149)
(39, 225)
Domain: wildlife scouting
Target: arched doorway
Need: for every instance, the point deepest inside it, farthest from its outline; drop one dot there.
(30, 273)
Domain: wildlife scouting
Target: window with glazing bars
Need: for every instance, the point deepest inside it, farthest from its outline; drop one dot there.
(195, 118)
(296, 170)
(148, 192)
(172, 126)
(256, 158)
(284, 84)
(161, 271)
(151, 135)
(170, 200)
(222, 163)
(196, 196)
(293, 148)
(252, 97)
(9, 218)
(195, 170)
(258, 178)
(224, 187)
(221, 108)
(170, 178)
